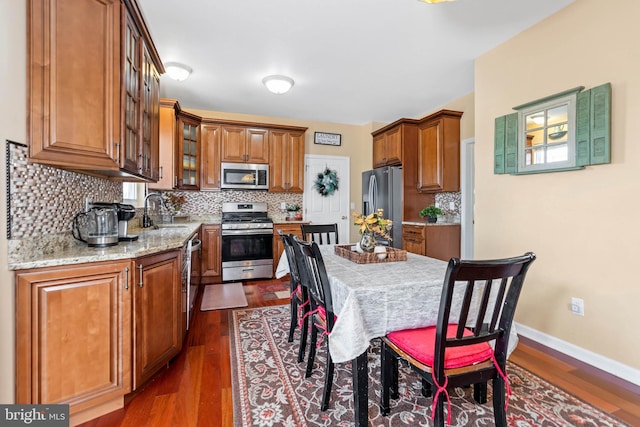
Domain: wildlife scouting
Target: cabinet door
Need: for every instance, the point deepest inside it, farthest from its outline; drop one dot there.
(430, 157)
(73, 83)
(167, 141)
(157, 307)
(132, 109)
(257, 146)
(148, 157)
(210, 157)
(233, 144)
(443, 241)
(379, 151)
(211, 263)
(188, 153)
(295, 161)
(393, 146)
(73, 329)
(278, 168)
(413, 239)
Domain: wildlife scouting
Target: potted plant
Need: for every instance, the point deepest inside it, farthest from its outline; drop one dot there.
(292, 211)
(431, 212)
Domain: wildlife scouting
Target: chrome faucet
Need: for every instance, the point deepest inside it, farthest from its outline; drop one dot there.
(146, 220)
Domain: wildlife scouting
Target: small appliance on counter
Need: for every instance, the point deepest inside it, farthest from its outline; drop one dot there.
(97, 227)
(125, 213)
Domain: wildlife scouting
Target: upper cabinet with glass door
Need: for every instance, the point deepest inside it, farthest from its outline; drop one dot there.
(188, 152)
(566, 131)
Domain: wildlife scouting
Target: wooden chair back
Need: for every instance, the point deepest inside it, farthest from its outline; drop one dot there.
(322, 234)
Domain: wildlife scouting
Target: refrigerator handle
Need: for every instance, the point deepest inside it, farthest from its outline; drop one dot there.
(373, 193)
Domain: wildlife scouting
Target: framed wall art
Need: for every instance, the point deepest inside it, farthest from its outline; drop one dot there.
(324, 138)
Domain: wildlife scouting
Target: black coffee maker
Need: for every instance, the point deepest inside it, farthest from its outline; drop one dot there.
(125, 213)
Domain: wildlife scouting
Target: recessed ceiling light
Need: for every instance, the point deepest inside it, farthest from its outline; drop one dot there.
(177, 71)
(278, 84)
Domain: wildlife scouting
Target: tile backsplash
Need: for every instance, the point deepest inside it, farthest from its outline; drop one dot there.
(43, 199)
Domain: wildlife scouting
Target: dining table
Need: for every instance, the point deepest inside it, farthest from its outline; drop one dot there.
(373, 299)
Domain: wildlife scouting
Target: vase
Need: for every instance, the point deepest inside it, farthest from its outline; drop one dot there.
(368, 242)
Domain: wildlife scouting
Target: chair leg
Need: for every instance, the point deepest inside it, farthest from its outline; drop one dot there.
(312, 349)
(439, 415)
(303, 337)
(328, 381)
(480, 392)
(385, 378)
(294, 319)
(426, 388)
(499, 414)
(395, 393)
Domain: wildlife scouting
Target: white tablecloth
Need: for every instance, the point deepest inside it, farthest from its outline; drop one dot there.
(371, 300)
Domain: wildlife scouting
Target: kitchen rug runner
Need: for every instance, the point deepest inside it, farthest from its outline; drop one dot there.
(269, 387)
(225, 295)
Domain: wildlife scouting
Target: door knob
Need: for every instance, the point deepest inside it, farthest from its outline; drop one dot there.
(343, 217)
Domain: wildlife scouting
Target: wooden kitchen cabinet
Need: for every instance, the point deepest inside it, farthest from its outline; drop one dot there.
(278, 246)
(73, 336)
(157, 299)
(435, 241)
(211, 262)
(167, 143)
(188, 152)
(210, 164)
(286, 168)
(387, 147)
(244, 144)
(439, 152)
(93, 84)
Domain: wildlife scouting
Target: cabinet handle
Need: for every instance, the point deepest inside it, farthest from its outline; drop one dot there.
(117, 144)
(175, 181)
(126, 278)
(140, 270)
(161, 172)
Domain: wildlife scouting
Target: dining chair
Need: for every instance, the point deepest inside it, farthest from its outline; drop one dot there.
(322, 234)
(299, 297)
(314, 274)
(469, 343)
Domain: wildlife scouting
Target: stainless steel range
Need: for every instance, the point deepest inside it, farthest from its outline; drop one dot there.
(247, 241)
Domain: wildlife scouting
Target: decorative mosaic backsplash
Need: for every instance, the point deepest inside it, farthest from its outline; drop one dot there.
(44, 200)
(444, 199)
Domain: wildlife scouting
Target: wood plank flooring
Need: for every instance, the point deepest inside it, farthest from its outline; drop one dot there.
(195, 389)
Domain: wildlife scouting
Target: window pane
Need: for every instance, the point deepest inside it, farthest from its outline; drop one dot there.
(535, 138)
(534, 156)
(557, 133)
(535, 120)
(557, 115)
(185, 132)
(193, 133)
(557, 153)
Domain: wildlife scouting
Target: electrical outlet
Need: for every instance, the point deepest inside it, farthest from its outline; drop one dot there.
(437, 204)
(577, 306)
(283, 206)
(452, 206)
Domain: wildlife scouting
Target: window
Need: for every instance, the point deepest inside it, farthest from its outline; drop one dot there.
(547, 138)
(565, 131)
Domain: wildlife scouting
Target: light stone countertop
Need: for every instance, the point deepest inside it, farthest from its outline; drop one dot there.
(429, 224)
(59, 250)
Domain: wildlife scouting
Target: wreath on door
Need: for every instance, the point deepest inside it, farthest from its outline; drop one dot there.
(326, 183)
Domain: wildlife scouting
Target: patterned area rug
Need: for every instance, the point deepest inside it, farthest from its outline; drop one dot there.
(274, 290)
(269, 388)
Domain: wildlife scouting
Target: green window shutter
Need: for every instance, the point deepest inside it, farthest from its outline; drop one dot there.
(601, 124)
(511, 144)
(583, 128)
(593, 126)
(498, 145)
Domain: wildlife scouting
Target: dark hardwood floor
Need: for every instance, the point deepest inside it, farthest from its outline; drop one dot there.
(195, 389)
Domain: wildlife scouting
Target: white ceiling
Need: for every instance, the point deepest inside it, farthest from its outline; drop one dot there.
(353, 61)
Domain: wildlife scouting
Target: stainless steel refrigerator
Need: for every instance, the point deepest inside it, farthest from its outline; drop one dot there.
(382, 188)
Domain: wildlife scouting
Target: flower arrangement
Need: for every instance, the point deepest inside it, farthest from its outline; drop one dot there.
(176, 201)
(373, 223)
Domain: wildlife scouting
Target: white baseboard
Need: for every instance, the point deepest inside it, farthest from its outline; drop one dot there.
(611, 366)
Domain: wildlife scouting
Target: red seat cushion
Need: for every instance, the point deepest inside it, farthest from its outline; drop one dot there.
(420, 344)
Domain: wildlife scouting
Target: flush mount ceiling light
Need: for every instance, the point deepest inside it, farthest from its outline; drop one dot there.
(177, 71)
(278, 84)
(435, 1)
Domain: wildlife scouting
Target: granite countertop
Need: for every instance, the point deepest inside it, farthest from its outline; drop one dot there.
(57, 250)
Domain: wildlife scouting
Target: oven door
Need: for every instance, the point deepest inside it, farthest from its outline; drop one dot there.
(247, 254)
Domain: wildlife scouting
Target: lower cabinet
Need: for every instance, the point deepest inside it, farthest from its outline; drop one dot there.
(73, 336)
(435, 241)
(211, 260)
(278, 246)
(157, 296)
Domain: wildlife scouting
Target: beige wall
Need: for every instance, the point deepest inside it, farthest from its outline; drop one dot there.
(13, 127)
(583, 225)
(356, 144)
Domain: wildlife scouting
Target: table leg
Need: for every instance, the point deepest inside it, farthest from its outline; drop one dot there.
(361, 390)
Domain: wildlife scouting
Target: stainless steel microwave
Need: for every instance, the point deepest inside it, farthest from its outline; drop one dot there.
(244, 176)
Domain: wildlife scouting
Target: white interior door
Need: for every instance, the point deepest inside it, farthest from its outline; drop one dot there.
(327, 209)
(467, 194)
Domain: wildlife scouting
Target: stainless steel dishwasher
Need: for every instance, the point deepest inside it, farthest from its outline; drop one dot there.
(189, 290)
